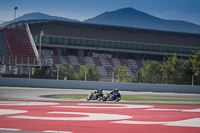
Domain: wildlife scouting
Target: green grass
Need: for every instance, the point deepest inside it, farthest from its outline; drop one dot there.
(135, 98)
(73, 96)
(132, 98)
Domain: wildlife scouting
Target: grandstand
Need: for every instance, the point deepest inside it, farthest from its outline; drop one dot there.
(20, 47)
(75, 43)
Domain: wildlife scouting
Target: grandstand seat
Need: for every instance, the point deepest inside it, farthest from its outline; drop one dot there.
(56, 60)
(123, 62)
(80, 60)
(108, 70)
(139, 63)
(110, 61)
(19, 46)
(67, 59)
(73, 60)
(97, 61)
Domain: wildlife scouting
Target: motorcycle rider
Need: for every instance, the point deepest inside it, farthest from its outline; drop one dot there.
(115, 93)
(96, 94)
(99, 93)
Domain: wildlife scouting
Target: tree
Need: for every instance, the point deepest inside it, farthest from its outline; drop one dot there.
(151, 73)
(121, 74)
(88, 72)
(63, 71)
(194, 66)
(195, 63)
(172, 68)
(92, 73)
(70, 74)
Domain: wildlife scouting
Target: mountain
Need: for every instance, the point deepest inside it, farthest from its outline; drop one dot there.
(130, 17)
(127, 17)
(38, 15)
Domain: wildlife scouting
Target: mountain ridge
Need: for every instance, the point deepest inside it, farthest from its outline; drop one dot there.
(131, 17)
(39, 15)
(125, 17)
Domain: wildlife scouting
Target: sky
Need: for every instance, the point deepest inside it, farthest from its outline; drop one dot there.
(187, 10)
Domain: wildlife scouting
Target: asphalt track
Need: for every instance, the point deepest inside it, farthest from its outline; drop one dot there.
(17, 93)
(22, 110)
(35, 93)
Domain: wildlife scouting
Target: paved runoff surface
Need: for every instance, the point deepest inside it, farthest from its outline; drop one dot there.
(22, 110)
(79, 117)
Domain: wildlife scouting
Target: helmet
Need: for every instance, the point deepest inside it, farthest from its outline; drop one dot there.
(116, 90)
(99, 89)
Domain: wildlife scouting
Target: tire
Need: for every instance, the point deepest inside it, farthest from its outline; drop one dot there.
(104, 99)
(100, 99)
(89, 97)
(117, 99)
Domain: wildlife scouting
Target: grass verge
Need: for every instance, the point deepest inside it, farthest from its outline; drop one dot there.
(132, 98)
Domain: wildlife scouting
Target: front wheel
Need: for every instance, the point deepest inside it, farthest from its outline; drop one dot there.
(104, 98)
(89, 97)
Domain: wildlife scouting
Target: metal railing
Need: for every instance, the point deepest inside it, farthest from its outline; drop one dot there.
(33, 44)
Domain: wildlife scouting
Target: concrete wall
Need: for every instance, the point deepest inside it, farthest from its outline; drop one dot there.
(97, 85)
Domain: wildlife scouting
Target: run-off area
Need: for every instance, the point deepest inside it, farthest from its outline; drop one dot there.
(74, 117)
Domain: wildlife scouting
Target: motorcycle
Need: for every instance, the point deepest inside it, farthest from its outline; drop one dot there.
(94, 96)
(112, 97)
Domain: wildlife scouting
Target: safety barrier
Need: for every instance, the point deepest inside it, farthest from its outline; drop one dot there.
(73, 84)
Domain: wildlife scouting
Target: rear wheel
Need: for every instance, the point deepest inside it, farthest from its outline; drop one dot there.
(117, 99)
(100, 98)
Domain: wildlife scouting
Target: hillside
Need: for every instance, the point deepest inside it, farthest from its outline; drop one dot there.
(38, 15)
(130, 17)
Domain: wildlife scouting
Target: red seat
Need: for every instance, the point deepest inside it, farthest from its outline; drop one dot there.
(19, 45)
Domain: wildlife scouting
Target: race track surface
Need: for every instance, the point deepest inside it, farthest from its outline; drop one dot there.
(35, 93)
(77, 117)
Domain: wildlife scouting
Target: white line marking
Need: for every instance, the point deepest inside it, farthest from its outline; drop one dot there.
(9, 129)
(183, 110)
(26, 103)
(11, 111)
(138, 122)
(164, 109)
(50, 131)
(123, 106)
(195, 122)
(192, 110)
(88, 117)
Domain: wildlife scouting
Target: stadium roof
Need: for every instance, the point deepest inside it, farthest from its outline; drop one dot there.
(102, 26)
(113, 36)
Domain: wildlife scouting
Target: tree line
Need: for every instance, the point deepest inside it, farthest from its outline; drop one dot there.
(86, 72)
(172, 70)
